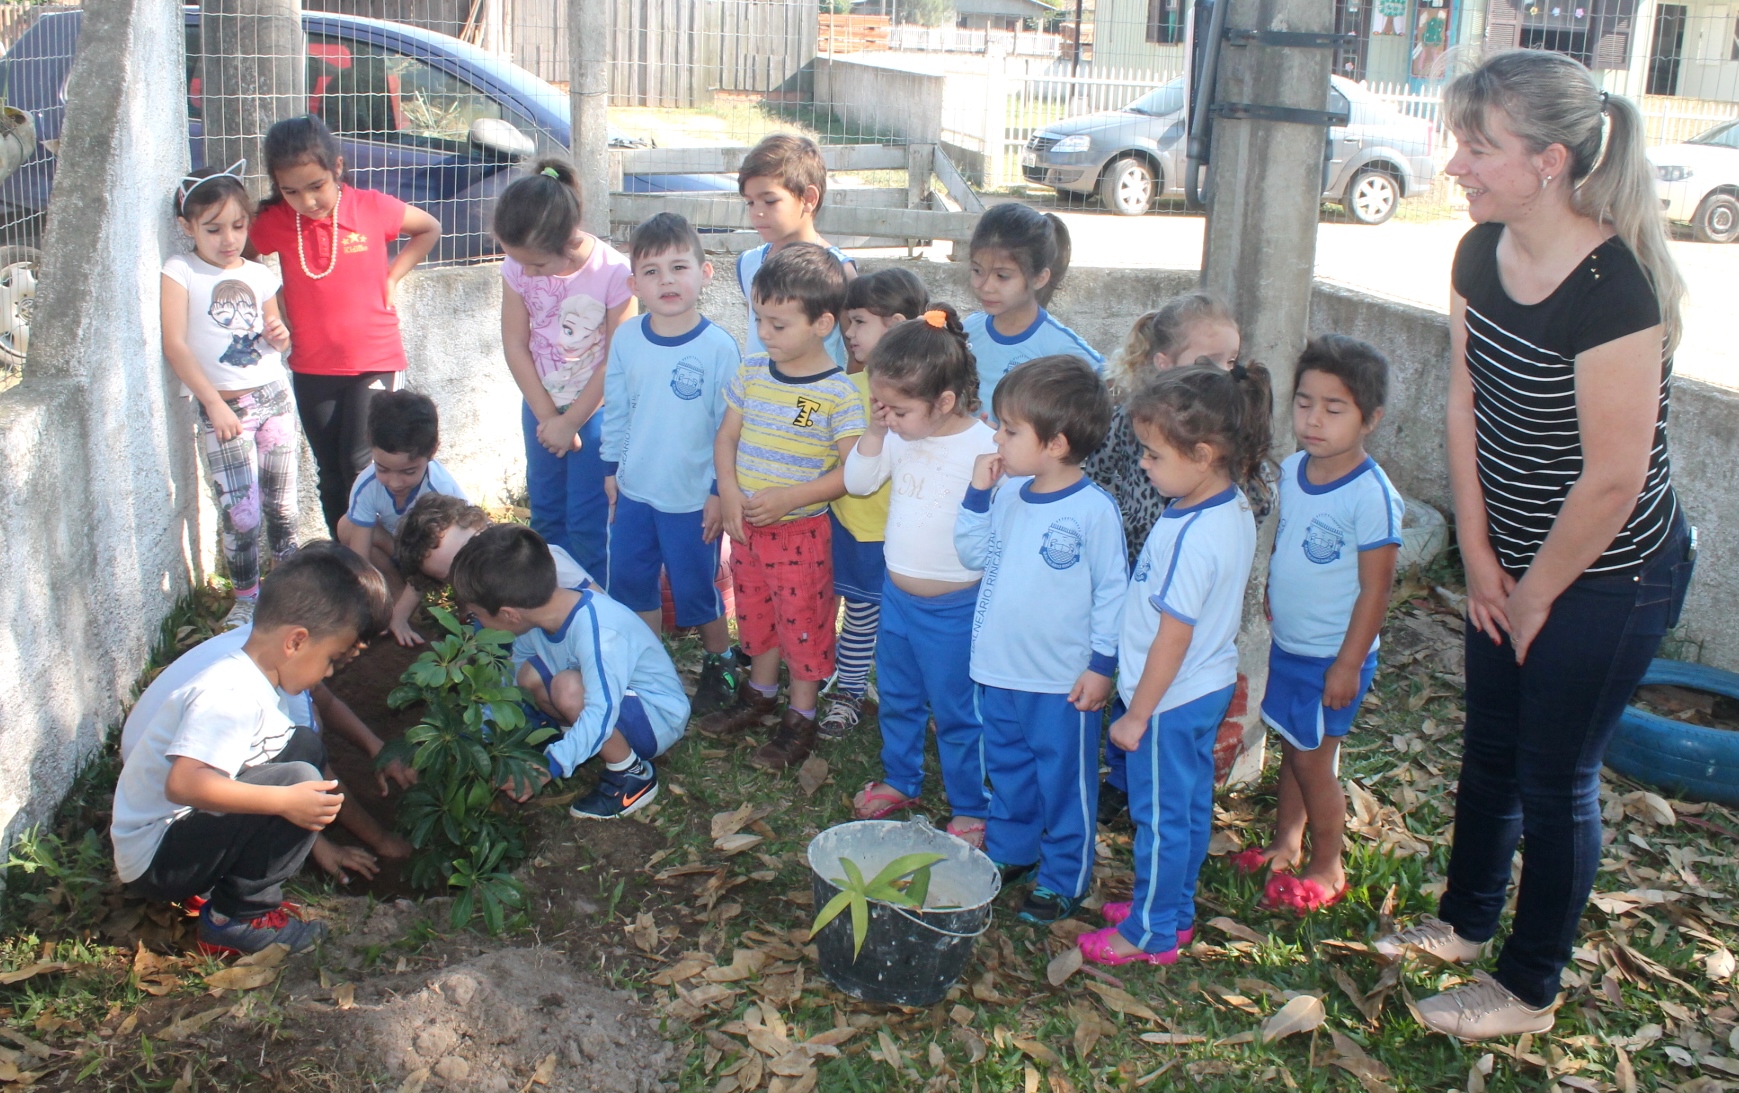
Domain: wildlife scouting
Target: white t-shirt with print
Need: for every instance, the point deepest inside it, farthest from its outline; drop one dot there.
(229, 717)
(226, 321)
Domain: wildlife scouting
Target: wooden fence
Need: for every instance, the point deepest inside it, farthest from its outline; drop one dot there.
(851, 33)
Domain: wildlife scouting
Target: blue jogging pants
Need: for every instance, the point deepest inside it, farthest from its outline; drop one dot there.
(923, 670)
(1042, 757)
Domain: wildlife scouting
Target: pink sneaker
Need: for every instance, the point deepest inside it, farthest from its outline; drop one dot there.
(1096, 948)
(1115, 913)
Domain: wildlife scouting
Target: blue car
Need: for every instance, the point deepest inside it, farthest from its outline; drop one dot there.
(430, 119)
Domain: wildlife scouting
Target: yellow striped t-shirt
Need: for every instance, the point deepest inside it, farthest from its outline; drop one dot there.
(791, 425)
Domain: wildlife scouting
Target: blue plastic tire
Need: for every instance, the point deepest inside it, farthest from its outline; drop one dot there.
(1690, 762)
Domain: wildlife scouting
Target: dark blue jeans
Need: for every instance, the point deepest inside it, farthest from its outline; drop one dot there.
(1530, 770)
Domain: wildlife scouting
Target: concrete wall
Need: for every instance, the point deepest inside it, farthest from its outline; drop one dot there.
(883, 92)
(99, 490)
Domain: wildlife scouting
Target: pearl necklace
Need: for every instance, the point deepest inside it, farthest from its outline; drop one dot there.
(302, 257)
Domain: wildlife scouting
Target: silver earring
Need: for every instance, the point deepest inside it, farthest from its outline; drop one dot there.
(1545, 181)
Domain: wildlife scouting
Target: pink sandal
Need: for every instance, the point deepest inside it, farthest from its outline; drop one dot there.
(1248, 861)
(878, 800)
(1115, 913)
(968, 829)
(1096, 948)
(1301, 897)
(1278, 892)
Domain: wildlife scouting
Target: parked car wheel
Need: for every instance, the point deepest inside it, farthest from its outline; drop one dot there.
(1688, 761)
(1372, 196)
(1128, 187)
(1717, 219)
(18, 266)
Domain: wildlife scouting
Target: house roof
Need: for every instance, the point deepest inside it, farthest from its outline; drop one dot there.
(1020, 9)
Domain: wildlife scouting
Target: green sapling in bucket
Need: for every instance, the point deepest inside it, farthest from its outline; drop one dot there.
(905, 881)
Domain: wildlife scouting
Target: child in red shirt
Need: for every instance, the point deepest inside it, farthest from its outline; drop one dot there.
(331, 240)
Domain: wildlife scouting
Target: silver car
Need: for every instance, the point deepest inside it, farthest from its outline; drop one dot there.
(1134, 156)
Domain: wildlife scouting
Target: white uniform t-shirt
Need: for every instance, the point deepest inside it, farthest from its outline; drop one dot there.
(226, 321)
(930, 477)
(1313, 578)
(1193, 567)
(190, 664)
(372, 503)
(228, 716)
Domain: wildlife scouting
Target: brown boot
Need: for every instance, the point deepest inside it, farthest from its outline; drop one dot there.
(790, 745)
(747, 709)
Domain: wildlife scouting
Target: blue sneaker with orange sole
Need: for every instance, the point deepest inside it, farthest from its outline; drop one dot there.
(619, 793)
(239, 937)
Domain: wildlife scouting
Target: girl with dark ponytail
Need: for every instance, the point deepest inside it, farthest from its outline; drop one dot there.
(1019, 256)
(1202, 429)
(924, 436)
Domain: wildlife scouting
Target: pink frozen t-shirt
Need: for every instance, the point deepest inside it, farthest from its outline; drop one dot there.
(567, 317)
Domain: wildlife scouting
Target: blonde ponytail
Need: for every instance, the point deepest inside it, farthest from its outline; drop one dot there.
(1550, 99)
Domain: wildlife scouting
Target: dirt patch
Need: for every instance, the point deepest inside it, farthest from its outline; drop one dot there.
(1693, 707)
(363, 685)
(490, 1023)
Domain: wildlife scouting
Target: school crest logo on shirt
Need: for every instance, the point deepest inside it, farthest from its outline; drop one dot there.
(1061, 547)
(1143, 567)
(1323, 540)
(686, 380)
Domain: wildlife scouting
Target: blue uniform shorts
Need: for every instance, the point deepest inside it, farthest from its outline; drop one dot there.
(643, 541)
(1293, 702)
(859, 569)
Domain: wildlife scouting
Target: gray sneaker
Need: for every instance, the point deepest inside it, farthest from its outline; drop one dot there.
(842, 716)
(240, 615)
(1482, 1010)
(1433, 937)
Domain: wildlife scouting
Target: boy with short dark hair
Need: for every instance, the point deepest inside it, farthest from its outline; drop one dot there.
(792, 416)
(438, 526)
(404, 433)
(223, 791)
(784, 179)
(587, 661)
(1050, 543)
(1328, 591)
(663, 404)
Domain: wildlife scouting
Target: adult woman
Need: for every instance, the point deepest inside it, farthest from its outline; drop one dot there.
(1563, 318)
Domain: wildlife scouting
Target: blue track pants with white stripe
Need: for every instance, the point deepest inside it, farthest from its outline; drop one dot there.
(1171, 801)
(1042, 757)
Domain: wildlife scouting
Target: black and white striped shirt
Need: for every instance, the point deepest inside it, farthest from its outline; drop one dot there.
(1522, 359)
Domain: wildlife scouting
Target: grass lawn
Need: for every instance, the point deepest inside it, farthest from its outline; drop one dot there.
(701, 910)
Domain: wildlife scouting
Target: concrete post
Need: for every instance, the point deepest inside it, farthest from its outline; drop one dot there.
(589, 99)
(253, 72)
(1264, 197)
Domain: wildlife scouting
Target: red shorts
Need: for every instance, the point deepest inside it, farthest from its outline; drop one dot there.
(783, 578)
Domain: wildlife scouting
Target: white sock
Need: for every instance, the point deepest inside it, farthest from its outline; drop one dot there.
(627, 764)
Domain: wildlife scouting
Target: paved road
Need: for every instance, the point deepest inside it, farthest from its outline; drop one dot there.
(1410, 261)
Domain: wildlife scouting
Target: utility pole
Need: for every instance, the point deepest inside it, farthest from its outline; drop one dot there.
(1259, 251)
(253, 73)
(588, 102)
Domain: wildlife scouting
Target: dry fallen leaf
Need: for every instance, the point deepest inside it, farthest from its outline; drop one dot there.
(736, 844)
(1173, 1038)
(1719, 965)
(1623, 1073)
(415, 1081)
(1063, 965)
(812, 775)
(729, 823)
(241, 978)
(269, 957)
(644, 932)
(187, 1026)
(41, 967)
(1038, 1052)
(1031, 1076)
(1233, 928)
(1123, 1002)
(1299, 1015)
(345, 995)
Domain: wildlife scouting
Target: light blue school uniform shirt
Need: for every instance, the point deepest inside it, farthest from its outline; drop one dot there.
(617, 654)
(372, 504)
(1054, 580)
(664, 400)
(748, 264)
(997, 354)
(1193, 567)
(1313, 578)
